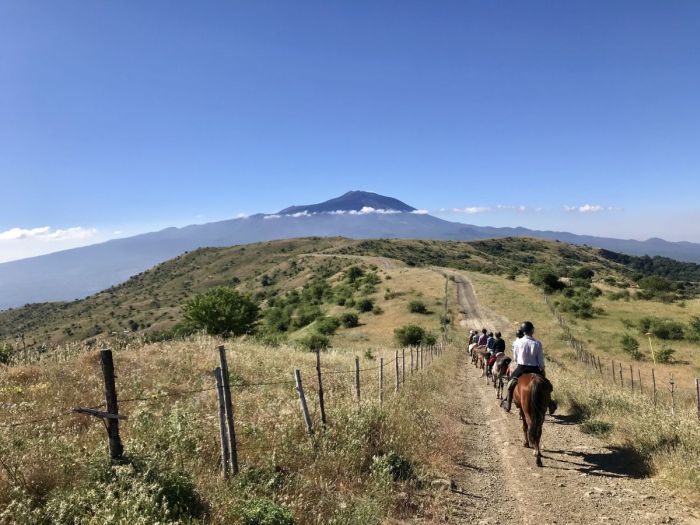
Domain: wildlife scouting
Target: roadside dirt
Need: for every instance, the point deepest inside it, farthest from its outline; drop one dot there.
(495, 480)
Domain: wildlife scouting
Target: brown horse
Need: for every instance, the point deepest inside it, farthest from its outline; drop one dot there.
(532, 396)
(479, 357)
(499, 371)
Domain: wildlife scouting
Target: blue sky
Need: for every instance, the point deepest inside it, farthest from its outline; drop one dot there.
(123, 117)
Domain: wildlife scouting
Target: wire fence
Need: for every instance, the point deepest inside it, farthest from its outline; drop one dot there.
(659, 391)
(227, 385)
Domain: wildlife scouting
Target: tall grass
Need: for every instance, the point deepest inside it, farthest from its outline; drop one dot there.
(55, 471)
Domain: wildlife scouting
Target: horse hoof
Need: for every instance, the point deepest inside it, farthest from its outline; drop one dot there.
(539, 462)
(526, 444)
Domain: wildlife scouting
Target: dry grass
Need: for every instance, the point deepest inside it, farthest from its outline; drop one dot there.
(177, 432)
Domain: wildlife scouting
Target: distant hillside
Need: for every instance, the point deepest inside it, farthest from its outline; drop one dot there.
(80, 272)
(151, 301)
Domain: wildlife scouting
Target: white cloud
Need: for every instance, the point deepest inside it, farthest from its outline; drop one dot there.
(46, 233)
(420, 212)
(242, 216)
(273, 216)
(590, 208)
(510, 207)
(471, 210)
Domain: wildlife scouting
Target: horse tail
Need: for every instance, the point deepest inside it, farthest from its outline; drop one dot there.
(539, 399)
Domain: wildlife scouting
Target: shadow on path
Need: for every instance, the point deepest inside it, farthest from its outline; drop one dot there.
(618, 462)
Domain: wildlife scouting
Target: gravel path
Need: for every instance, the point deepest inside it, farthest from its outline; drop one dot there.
(495, 480)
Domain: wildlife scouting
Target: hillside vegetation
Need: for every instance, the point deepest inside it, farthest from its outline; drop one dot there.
(295, 282)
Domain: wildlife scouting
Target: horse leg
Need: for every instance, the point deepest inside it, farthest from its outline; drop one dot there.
(526, 443)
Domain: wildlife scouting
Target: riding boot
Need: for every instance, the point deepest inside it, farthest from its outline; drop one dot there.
(508, 401)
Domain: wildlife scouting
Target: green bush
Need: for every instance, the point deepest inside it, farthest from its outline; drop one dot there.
(327, 325)
(414, 335)
(315, 342)
(118, 494)
(545, 278)
(665, 355)
(263, 511)
(349, 319)
(417, 307)
(631, 346)
(398, 467)
(221, 311)
(583, 273)
(365, 304)
(377, 310)
(306, 315)
(662, 328)
(353, 273)
(6, 352)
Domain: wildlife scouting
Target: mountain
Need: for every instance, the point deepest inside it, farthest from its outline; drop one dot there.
(77, 273)
(352, 201)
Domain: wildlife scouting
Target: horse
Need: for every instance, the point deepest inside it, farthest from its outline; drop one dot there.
(500, 370)
(532, 396)
(479, 356)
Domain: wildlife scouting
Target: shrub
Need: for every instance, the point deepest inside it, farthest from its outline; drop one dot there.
(349, 319)
(353, 273)
(414, 335)
(631, 346)
(327, 325)
(665, 355)
(395, 465)
(417, 307)
(5, 353)
(545, 278)
(364, 305)
(662, 328)
(306, 315)
(221, 311)
(583, 273)
(263, 511)
(377, 310)
(315, 342)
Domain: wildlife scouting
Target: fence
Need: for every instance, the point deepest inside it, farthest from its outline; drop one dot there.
(405, 364)
(623, 374)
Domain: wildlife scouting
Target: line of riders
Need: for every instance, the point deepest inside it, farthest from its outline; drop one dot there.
(527, 385)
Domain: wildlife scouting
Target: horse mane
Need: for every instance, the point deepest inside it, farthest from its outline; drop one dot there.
(540, 390)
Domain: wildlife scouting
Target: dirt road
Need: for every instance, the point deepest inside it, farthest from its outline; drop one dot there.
(583, 480)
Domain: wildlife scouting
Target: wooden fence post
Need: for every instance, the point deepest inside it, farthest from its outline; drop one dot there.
(653, 385)
(631, 379)
(600, 367)
(321, 405)
(381, 381)
(228, 403)
(420, 353)
(396, 368)
(357, 378)
(222, 422)
(403, 366)
(697, 395)
(115, 443)
(639, 377)
(411, 350)
(613, 370)
(302, 401)
(622, 383)
(672, 388)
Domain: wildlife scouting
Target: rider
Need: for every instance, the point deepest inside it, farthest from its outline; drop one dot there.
(529, 357)
(499, 345)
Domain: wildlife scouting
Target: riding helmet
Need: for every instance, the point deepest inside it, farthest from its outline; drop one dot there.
(527, 327)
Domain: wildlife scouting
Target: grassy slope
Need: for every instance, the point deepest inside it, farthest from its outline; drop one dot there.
(669, 445)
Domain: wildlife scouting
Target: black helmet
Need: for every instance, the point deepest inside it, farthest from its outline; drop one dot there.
(527, 327)
(519, 333)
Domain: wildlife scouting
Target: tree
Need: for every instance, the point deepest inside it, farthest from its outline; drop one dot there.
(631, 346)
(315, 342)
(353, 273)
(545, 278)
(221, 311)
(327, 325)
(413, 335)
(583, 273)
(365, 305)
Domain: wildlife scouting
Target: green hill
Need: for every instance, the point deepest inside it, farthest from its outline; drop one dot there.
(150, 303)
